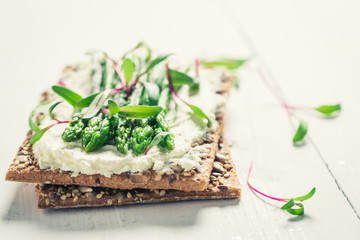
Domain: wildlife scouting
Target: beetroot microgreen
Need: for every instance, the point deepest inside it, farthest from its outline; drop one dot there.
(68, 95)
(196, 110)
(34, 125)
(292, 205)
(302, 129)
(38, 134)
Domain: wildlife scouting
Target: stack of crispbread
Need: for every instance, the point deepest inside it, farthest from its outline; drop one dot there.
(59, 189)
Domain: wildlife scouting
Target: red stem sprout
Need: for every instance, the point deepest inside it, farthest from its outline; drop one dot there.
(255, 190)
(197, 67)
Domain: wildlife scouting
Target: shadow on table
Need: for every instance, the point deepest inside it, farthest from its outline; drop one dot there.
(23, 208)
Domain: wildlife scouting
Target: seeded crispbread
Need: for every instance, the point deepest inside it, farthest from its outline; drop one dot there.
(26, 169)
(223, 184)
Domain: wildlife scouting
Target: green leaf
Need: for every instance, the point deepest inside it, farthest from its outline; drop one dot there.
(38, 135)
(179, 78)
(32, 124)
(36, 110)
(139, 111)
(157, 139)
(307, 196)
(230, 64)
(296, 211)
(128, 68)
(104, 75)
(288, 205)
(113, 107)
(97, 104)
(194, 89)
(51, 109)
(197, 111)
(148, 57)
(140, 44)
(156, 61)
(85, 102)
(328, 109)
(68, 95)
(153, 92)
(300, 132)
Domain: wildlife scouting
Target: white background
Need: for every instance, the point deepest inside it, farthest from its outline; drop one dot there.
(310, 49)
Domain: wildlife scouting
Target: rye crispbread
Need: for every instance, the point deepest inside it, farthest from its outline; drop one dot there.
(223, 185)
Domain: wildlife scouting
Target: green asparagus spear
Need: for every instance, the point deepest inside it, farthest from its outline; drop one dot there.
(98, 132)
(162, 126)
(123, 134)
(141, 138)
(73, 131)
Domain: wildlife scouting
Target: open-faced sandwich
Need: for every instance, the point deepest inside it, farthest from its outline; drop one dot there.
(138, 129)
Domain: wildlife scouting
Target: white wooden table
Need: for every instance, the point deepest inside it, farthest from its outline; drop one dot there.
(311, 49)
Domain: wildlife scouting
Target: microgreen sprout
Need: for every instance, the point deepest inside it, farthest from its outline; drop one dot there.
(39, 133)
(196, 110)
(293, 206)
(302, 129)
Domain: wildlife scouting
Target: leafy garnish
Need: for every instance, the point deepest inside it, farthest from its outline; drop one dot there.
(38, 135)
(68, 95)
(328, 109)
(32, 124)
(196, 110)
(113, 108)
(149, 54)
(294, 211)
(140, 111)
(299, 210)
(51, 109)
(290, 203)
(97, 104)
(156, 61)
(85, 102)
(307, 196)
(179, 78)
(128, 68)
(300, 132)
(157, 139)
(230, 64)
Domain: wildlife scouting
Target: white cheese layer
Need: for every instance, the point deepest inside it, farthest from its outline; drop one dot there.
(52, 152)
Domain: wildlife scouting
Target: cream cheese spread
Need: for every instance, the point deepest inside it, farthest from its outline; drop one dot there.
(52, 152)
